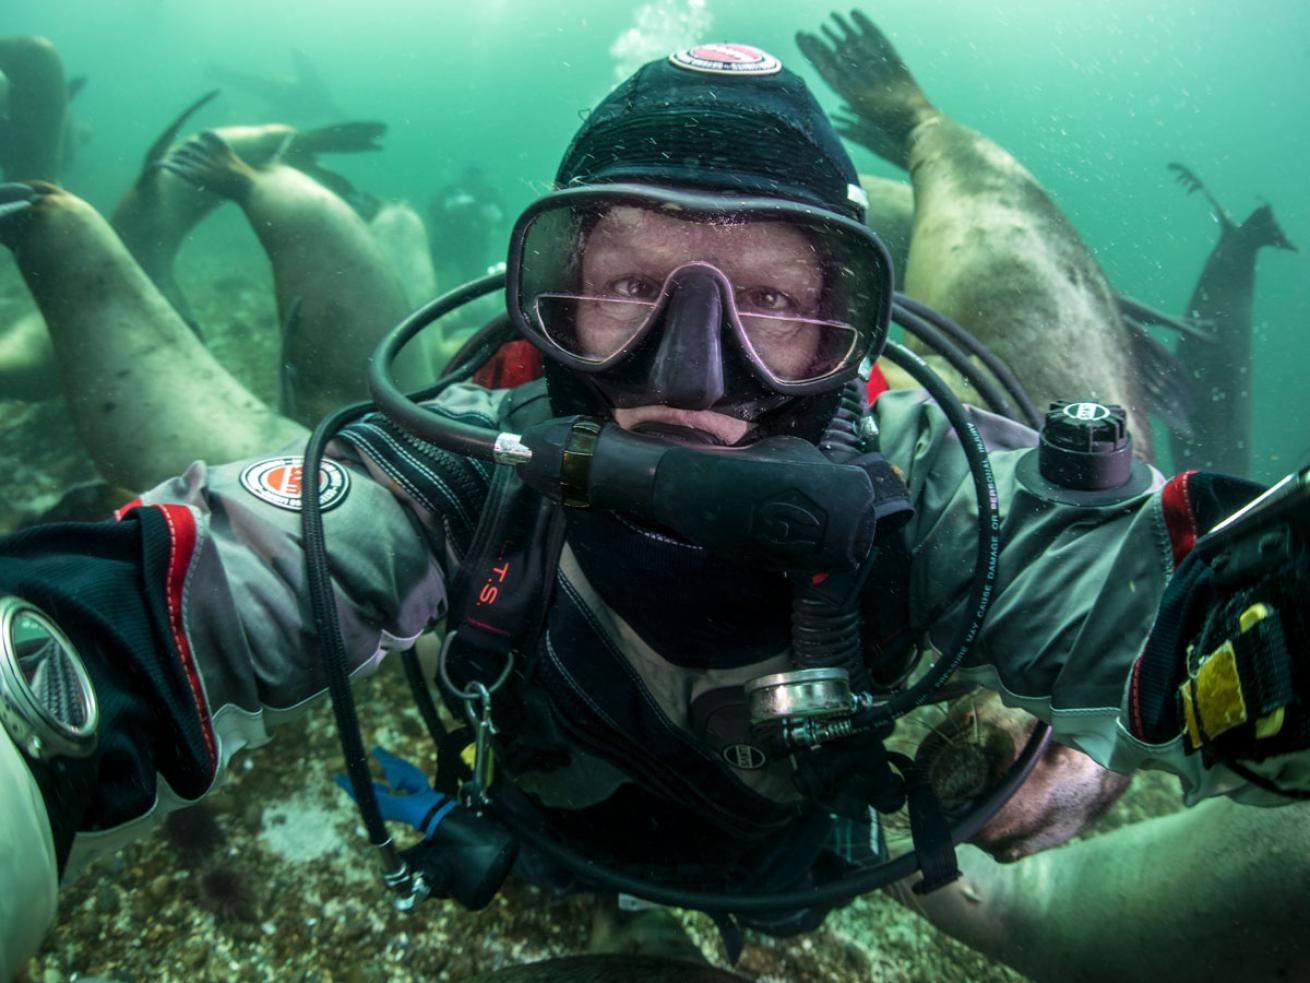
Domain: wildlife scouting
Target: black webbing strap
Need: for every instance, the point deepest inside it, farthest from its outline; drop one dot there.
(929, 829)
(1263, 651)
(500, 592)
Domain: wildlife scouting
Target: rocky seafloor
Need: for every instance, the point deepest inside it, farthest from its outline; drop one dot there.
(292, 891)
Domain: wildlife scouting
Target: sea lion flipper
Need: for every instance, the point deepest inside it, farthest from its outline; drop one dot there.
(16, 195)
(1141, 315)
(364, 204)
(356, 136)
(1166, 384)
(17, 198)
(1187, 177)
(165, 140)
(861, 65)
(210, 164)
(858, 129)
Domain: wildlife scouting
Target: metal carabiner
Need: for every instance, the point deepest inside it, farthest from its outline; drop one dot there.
(474, 791)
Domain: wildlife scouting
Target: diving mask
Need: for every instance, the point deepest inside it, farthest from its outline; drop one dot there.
(697, 299)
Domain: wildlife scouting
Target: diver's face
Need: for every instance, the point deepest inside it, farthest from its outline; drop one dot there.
(773, 269)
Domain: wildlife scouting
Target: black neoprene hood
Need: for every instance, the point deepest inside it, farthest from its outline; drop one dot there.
(756, 134)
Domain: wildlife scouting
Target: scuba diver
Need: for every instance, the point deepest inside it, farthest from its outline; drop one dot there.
(464, 227)
(689, 577)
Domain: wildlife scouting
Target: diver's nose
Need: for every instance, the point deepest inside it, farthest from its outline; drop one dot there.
(688, 371)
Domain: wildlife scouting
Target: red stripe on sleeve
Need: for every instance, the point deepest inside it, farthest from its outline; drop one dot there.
(1178, 518)
(1134, 699)
(122, 510)
(182, 546)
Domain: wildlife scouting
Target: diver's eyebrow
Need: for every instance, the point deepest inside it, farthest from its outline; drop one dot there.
(628, 253)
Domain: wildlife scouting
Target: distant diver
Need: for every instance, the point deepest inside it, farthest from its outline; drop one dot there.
(465, 220)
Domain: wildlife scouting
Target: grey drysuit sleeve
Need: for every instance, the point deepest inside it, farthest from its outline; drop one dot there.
(1077, 591)
(237, 598)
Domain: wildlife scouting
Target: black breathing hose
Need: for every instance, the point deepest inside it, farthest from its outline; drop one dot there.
(963, 339)
(318, 576)
(826, 634)
(989, 539)
(991, 393)
(332, 645)
(458, 438)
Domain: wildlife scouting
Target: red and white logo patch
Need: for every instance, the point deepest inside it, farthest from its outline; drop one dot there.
(727, 59)
(277, 480)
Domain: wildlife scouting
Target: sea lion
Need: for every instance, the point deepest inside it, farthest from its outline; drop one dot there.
(158, 212)
(971, 750)
(1220, 369)
(891, 216)
(146, 397)
(1215, 892)
(989, 247)
(327, 268)
(32, 127)
(27, 360)
(301, 98)
(404, 239)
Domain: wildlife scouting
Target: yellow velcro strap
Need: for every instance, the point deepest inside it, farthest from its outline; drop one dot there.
(1217, 691)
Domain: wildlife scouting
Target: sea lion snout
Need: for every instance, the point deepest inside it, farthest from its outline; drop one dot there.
(976, 745)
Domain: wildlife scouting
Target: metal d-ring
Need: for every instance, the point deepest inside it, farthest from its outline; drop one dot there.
(476, 689)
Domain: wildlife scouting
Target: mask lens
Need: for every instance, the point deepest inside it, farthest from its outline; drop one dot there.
(593, 272)
(797, 349)
(593, 329)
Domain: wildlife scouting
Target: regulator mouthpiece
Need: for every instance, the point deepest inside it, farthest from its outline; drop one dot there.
(779, 503)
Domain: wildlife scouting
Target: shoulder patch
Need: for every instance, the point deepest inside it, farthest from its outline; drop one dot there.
(726, 59)
(276, 480)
